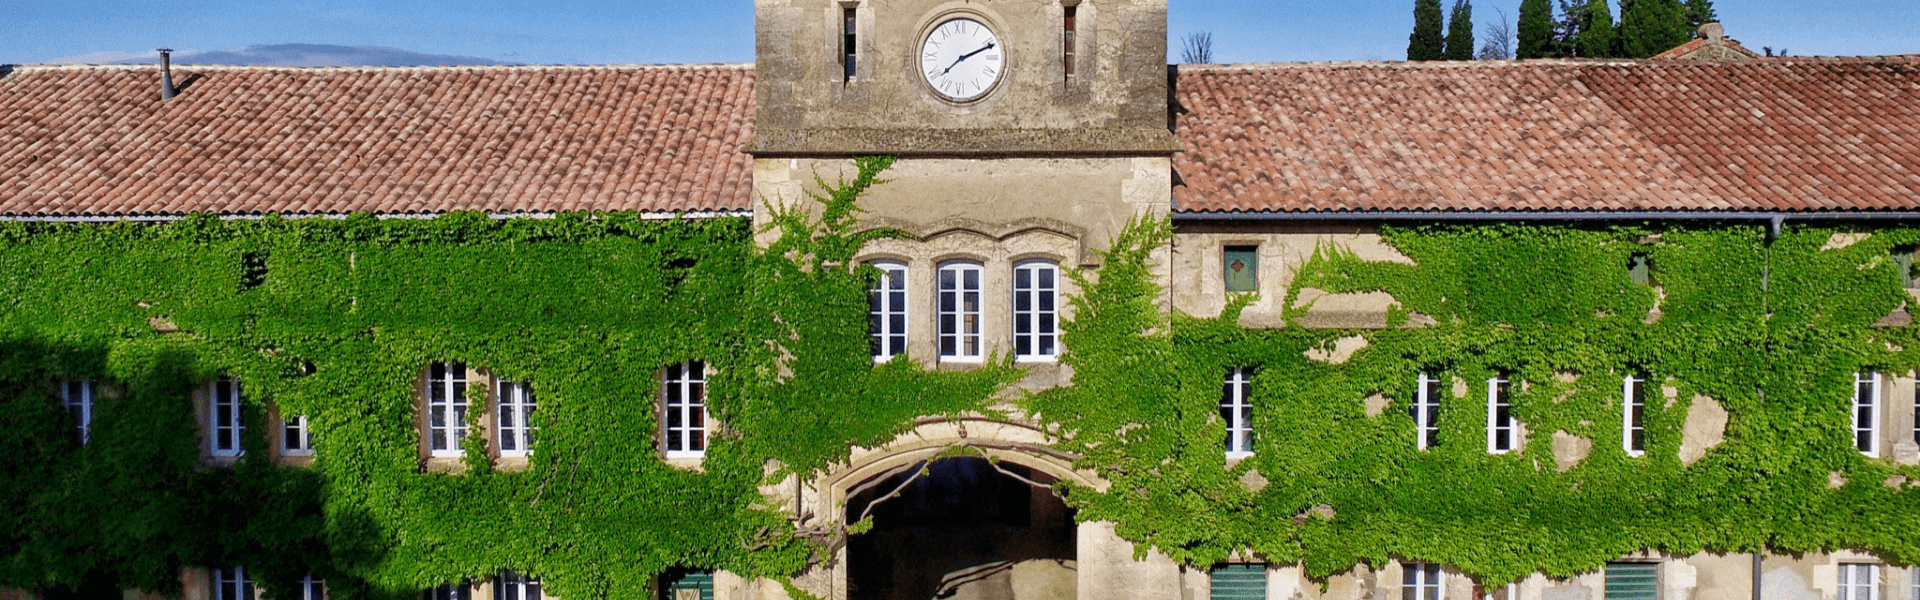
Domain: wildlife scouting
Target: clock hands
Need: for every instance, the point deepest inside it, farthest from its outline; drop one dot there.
(964, 57)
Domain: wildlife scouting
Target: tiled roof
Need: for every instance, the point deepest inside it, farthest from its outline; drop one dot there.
(1792, 134)
(96, 140)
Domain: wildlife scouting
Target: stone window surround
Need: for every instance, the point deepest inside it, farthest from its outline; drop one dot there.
(996, 259)
(487, 425)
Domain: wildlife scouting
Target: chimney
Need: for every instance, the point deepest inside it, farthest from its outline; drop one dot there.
(166, 74)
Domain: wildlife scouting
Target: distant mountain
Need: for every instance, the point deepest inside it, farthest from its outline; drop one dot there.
(290, 55)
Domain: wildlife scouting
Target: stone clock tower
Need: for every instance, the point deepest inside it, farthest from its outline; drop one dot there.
(1029, 133)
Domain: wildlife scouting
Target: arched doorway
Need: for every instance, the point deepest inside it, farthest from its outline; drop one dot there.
(962, 529)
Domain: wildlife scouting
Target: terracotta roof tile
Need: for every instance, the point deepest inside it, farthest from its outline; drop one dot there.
(95, 140)
(1772, 134)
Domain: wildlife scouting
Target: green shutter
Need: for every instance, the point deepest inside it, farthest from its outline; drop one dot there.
(701, 581)
(1640, 268)
(1240, 582)
(1241, 268)
(1633, 581)
(1903, 265)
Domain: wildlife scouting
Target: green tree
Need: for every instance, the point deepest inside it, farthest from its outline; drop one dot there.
(1427, 42)
(1598, 38)
(1649, 27)
(1536, 30)
(1700, 12)
(1567, 30)
(1460, 31)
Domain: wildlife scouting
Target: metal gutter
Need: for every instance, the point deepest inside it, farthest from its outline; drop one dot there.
(1774, 220)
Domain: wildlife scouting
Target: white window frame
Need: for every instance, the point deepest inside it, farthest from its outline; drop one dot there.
(1866, 401)
(233, 423)
(78, 398)
(451, 591)
(1495, 431)
(1042, 315)
(1633, 414)
(1426, 412)
(514, 586)
(1851, 585)
(447, 408)
(296, 436)
(514, 405)
(1236, 410)
(888, 319)
(1426, 577)
(960, 326)
(1913, 576)
(685, 396)
(309, 588)
(231, 583)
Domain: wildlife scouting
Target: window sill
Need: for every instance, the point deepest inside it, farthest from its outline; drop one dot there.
(963, 360)
(1234, 457)
(1036, 359)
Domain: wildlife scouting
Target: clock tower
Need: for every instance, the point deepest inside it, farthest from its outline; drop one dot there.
(1029, 134)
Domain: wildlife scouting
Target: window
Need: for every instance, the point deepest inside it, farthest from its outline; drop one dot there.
(1421, 581)
(687, 584)
(1239, 582)
(887, 311)
(309, 588)
(1242, 268)
(1510, 592)
(1426, 412)
(1859, 582)
(1866, 411)
(77, 397)
(1500, 426)
(849, 46)
(449, 592)
(1237, 412)
(1036, 287)
(296, 437)
(1068, 42)
(1916, 434)
(1633, 419)
(516, 418)
(231, 583)
(225, 401)
(446, 408)
(685, 396)
(960, 312)
(1640, 268)
(1915, 577)
(1633, 581)
(512, 586)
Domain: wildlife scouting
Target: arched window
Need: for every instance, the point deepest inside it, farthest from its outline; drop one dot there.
(887, 310)
(960, 312)
(1036, 315)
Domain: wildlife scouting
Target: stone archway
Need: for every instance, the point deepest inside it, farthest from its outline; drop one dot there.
(1104, 564)
(962, 528)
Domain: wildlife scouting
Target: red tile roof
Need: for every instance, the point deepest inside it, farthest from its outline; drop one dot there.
(97, 140)
(1792, 134)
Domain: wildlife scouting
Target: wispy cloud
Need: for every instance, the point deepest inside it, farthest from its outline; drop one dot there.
(291, 55)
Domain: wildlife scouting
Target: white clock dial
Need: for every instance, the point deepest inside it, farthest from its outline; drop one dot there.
(962, 59)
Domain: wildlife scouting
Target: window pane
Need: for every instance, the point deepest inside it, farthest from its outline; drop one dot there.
(1241, 268)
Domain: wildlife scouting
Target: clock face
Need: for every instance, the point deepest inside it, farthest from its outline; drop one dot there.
(962, 59)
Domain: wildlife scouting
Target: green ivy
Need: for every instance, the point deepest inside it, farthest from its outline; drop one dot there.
(1773, 331)
(336, 319)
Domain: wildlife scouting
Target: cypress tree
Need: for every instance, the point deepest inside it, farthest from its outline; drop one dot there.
(1649, 27)
(1566, 31)
(1536, 30)
(1427, 42)
(1700, 12)
(1597, 36)
(1460, 31)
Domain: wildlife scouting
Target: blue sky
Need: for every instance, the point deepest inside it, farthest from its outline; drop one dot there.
(699, 31)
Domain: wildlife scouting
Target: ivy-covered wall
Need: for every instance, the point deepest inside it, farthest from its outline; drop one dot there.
(1773, 331)
(335, 319)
